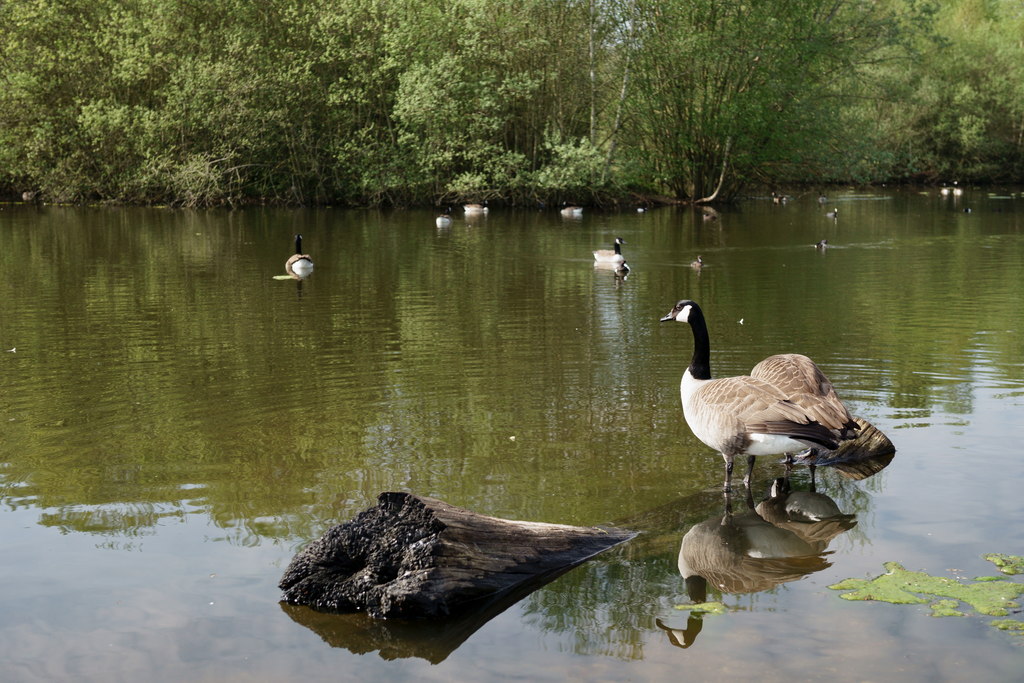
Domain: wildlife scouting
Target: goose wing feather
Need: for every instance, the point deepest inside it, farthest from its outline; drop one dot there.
(802, 382)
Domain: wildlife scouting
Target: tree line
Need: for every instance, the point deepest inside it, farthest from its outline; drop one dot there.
(406, 102)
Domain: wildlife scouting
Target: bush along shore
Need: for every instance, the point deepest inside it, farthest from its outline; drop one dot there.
(406, 102)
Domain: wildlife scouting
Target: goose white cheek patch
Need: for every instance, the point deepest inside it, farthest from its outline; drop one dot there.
(684, 315)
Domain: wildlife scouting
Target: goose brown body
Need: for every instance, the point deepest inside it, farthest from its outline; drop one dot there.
(803, 382)
(613, 255)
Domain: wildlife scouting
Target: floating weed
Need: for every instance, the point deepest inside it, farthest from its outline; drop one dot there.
(1007, 564)
(988, 595)
(705, 607)
(904, 587)
(946, 608)
(1011, 625)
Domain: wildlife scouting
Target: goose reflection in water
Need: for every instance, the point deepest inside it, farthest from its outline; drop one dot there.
(781, 539)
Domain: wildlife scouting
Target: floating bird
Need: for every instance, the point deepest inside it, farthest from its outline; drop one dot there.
(779, 198)
(475, 209)
(299, 265)
(611, 255)
(823, 245)
(822, 199)
(834, 213)
(698, 264)
(709, 214)
(444, 220)
(748, 415)
(571, 211)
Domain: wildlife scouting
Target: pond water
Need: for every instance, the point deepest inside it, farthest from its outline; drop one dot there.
(177, 424)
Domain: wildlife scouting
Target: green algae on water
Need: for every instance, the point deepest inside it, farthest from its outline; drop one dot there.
(1007, 564)
(946, 608)
(900, 586)
(1012, 625)
(705, 607)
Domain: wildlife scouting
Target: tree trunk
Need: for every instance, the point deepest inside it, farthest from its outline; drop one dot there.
(418, 557)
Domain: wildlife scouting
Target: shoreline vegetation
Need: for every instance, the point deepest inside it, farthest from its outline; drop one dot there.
(401, 103)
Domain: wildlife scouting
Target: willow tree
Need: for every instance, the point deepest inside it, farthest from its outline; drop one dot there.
(725, 92)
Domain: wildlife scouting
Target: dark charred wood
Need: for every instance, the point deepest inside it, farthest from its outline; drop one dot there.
(418, 557)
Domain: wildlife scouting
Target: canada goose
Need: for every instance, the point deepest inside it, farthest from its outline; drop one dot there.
(571, 211)
(745, 415)
(834, 213)
(611, 255)
(779, 198)
(444, 220)
(823, 245)
(299, 265)
(698, 264)
(822, 199)
(475, 209)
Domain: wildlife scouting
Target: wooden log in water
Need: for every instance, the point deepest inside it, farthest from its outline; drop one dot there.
(418, 557)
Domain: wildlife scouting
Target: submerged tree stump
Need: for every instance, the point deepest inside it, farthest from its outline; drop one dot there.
(418, 557)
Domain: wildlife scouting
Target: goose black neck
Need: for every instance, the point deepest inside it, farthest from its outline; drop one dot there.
(618, 248)
(700, 364)
(298, 244)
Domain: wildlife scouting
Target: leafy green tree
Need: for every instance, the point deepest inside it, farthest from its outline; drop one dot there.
(958, 111)
(726, 93)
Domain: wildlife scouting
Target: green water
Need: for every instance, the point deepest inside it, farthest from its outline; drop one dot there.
(176, 424)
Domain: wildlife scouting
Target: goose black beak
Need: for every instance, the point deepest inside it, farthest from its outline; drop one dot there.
(668, 317)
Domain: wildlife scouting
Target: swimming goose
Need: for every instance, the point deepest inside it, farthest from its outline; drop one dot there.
(698, 264)
(611, 255)
(834, 213)
(476, 209)
(444, 220)
(823, 244)
(742, 415)
(571, 211)
(299, 265)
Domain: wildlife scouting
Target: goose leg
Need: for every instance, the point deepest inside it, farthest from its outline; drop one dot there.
(728, 472)
(750, 471)
(813, 486)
